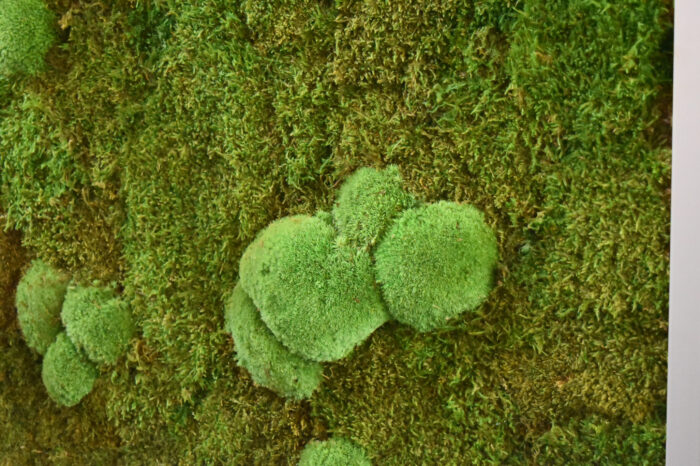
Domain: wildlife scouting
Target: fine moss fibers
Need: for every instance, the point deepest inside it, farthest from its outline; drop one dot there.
(26, 34)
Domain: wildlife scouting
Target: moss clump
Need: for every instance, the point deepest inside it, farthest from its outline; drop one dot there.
(317, 297)
(368, 202)
(436, 262)
(333, 452)
(40, 295)
(268, 361)
(98, 322)
(26, 34)
(67, 374)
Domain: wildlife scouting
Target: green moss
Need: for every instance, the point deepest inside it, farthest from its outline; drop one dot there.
(368, 202)
(26, 34)
(316, 296)
(436, 262)
(98, 322)
(67, 374)
(268, 361)
(336, 451)
(40, 295)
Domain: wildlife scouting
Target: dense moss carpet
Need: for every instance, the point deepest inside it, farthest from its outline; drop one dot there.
(164, 135)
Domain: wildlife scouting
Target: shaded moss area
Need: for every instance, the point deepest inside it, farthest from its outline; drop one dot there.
(165, 135)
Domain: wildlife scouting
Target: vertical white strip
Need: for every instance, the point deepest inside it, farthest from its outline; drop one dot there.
(683, 411)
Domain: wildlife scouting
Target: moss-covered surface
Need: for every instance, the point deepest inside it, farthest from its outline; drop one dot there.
(269, 362)
(335, 451)
(67, 373)
(165, 135)
(98, 322)
(39, 297)
(27, 31)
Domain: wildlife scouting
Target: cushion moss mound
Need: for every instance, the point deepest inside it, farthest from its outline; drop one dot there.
(333, 452)
(436, 262)
(40, 295)
(98, 322)
(270, 364)
(368, 202)
(317, 297)
(26, 34)
(67, 374)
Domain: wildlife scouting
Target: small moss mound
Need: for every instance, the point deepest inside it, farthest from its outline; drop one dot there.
(26, 34)
(317, 297)
(368, 202)
(98, 322)
(436, 262)
(67, 374)
(40, 295)
(270, 364)
(333, 452)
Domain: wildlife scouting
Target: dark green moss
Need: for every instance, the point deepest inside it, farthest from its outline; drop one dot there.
(67, 374)
(268, 361)
(317, 297)
(436, 262)
(98, 322)
(40, 295)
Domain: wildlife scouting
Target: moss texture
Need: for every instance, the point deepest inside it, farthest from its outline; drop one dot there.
(368, 202)
(40, 295)
(13, 257)
(268, 361)
(98, 322)
(67, 374)
(316, 296)
(166, 134)
(336, 451)
(436, 262)
(26, 34)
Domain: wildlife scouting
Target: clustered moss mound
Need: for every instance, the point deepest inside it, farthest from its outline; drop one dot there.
(67, 374)
(336, 451)
(268, 361)
(368, 202)
(98, 322)
(313, 286)
(98, 326)
(26, 34)
(436, 262)
(39, 298)
(299, 277)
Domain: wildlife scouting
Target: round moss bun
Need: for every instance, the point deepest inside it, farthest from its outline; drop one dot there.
(368, 202)
(67, 374)
(39, 297)
(318, 298)
(26, 34)
(436, 262)
(98, 322)
(270, 364)
(336, 451)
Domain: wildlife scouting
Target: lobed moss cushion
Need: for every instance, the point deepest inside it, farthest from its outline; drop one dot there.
(270, 364)
(436, 262)
(67, 374)
(39, 297)
(368, 202)
(336, 451)
(316, 296)
(26, 34)
(98, 322)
